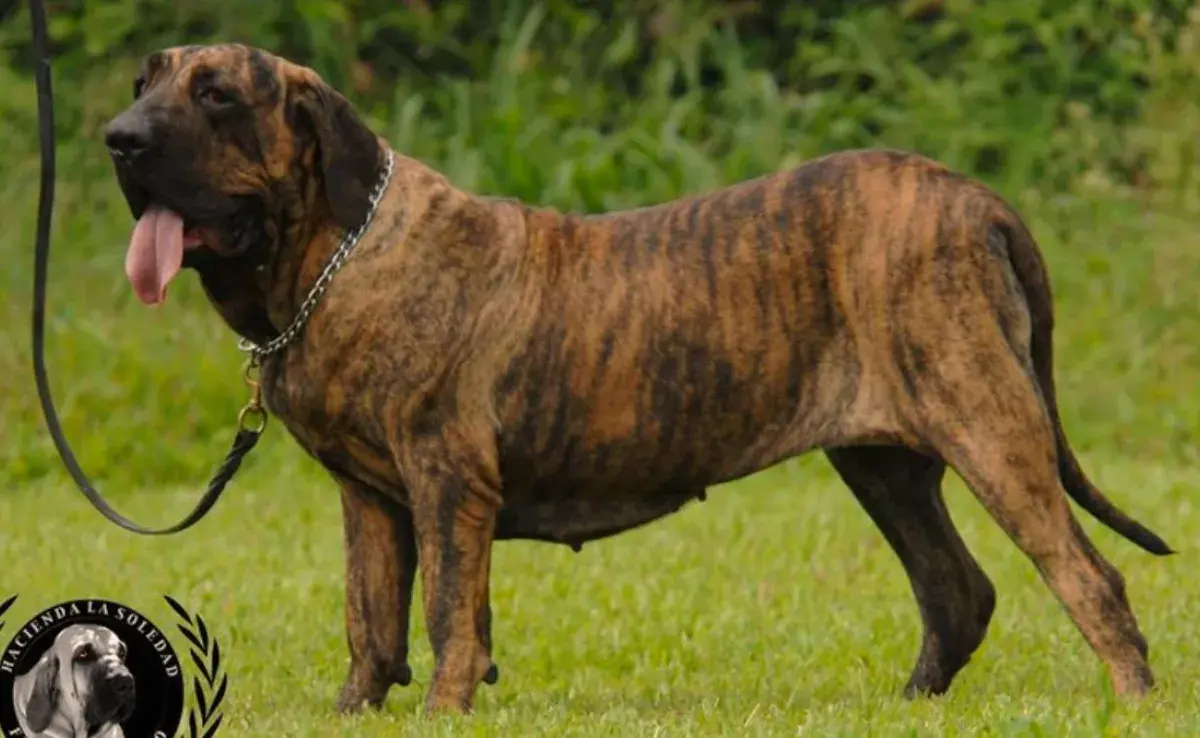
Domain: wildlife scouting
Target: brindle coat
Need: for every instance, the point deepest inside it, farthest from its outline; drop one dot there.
(484, 370)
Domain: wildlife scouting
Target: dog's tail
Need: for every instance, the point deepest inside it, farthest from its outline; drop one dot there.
(1031, 272)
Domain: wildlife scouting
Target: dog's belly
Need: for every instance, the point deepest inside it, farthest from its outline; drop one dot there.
(576, 519)
(588, 469)
(595, 492)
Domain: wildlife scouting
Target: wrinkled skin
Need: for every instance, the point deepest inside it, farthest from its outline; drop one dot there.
(79, 686)
(484, 370)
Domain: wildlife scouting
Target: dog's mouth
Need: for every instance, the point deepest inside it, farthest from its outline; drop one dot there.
(165, 239)
(114, 700)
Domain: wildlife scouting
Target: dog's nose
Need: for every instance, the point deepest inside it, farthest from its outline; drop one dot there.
(122, 685)
(127, 136)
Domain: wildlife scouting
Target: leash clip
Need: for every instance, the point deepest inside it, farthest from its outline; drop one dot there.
(253, 415)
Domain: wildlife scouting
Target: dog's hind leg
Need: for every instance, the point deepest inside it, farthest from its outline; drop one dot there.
(381, 562)
(994, 430)
(901, 491)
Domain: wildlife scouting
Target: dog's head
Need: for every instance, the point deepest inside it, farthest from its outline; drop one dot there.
(83, 677)
(229, 155)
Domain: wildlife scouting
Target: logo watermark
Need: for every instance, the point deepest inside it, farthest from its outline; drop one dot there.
(102, 669)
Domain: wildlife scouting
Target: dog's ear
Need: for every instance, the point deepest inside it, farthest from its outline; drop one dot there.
(43, 701)
(348, 152)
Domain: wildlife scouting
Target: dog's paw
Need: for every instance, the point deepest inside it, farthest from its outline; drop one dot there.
(353, 704)
(369, 690)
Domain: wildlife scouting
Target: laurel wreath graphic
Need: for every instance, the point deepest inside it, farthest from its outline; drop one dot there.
(208, 687)
(4, 608)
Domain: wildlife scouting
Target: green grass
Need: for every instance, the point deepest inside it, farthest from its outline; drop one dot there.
(772, 609)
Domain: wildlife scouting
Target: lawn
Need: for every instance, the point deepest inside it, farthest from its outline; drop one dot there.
(774, 608)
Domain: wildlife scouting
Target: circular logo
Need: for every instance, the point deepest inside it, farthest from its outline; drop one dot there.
(90, 667)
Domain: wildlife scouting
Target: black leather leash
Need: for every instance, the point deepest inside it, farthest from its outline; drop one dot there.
(248, 432)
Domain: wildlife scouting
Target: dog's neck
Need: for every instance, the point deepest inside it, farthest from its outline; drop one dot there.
(236, 291)
(312, 241)
(260, 300)
(287, 285)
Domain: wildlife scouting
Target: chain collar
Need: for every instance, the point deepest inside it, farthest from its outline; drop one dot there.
(340, 256)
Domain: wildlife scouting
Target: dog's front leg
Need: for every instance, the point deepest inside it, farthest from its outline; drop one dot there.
(381, 563)
(454, 504)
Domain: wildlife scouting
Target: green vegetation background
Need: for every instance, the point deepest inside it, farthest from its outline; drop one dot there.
(1085, 114)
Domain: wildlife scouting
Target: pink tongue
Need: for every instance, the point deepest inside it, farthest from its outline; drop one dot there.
(155, 253)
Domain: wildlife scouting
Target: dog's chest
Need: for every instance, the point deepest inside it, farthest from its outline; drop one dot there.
(334, 418)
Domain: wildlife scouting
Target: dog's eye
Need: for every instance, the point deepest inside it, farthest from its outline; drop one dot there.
(215, 98)
(121, 651)
(87, 653)
(139, 84)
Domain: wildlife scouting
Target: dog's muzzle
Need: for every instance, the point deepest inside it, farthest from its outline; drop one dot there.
(127, 137)
(114, 695)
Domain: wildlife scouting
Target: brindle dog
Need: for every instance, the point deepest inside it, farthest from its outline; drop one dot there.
(482, 369)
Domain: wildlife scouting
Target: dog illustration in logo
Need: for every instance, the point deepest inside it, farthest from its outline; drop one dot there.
(80, 688)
